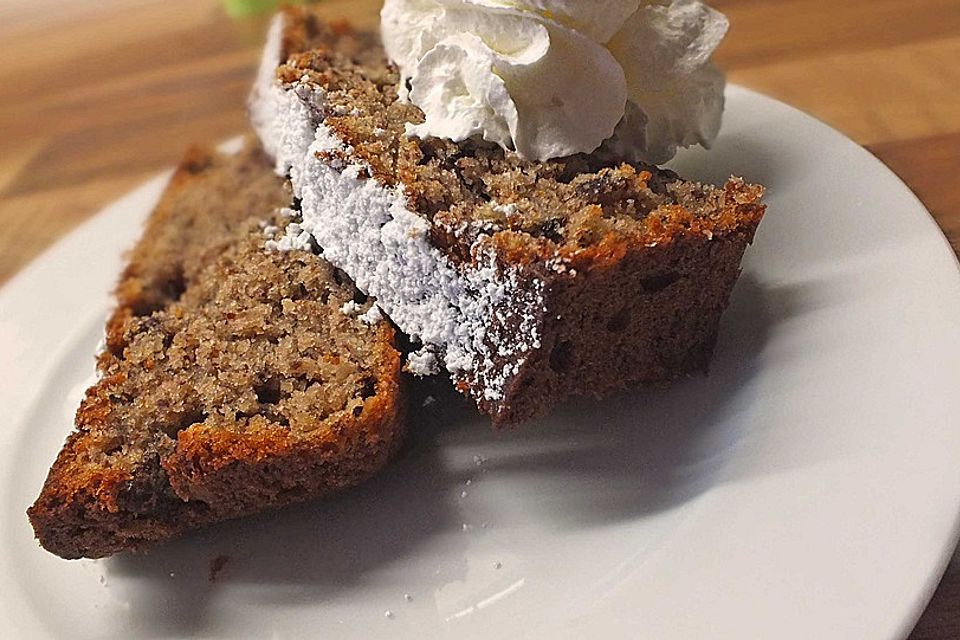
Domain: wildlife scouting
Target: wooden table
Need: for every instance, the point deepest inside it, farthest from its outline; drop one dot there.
(97, 97)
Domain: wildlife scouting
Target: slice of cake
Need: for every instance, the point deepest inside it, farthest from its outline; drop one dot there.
(232, 381)
(527, 280)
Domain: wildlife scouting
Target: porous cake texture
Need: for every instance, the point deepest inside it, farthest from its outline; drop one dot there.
(231, 382)
(528, 281)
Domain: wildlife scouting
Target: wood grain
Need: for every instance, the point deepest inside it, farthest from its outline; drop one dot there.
(97, 97)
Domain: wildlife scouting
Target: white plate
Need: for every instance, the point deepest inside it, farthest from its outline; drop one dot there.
(808, 488)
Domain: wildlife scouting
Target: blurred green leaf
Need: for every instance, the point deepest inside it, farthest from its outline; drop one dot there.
(244, 8)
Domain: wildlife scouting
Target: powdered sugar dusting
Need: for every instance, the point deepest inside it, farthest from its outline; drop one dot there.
(367, 229)
(372, 316)
(295, 238)
(264, 101)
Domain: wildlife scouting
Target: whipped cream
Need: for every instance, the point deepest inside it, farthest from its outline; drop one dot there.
(550, 78)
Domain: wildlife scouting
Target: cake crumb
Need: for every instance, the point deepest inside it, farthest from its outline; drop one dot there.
(217, 566)
(498, 565)
(372, 316)
(388, 614)
(350, 308)
(408, 597)
(423, 363)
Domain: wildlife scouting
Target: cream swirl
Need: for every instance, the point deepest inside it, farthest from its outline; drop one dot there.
(550, 78)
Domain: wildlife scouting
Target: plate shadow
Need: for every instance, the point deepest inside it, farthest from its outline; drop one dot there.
(591, 463)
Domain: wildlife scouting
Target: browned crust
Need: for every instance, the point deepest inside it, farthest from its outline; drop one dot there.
(89, 511)
(217, 470)
(211, 463)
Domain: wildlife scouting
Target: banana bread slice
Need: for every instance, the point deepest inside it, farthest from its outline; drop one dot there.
(232, 380)
(527, 280)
